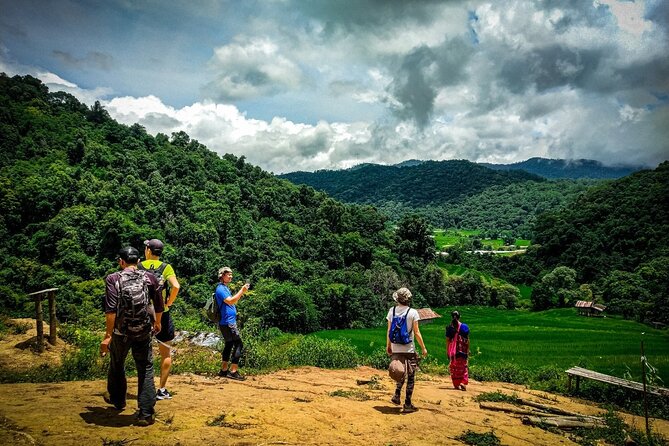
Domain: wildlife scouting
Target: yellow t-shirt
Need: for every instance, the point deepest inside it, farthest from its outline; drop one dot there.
(167, 272)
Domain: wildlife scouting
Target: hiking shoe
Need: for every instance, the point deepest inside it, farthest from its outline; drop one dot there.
(163, 395)
(236, 376)
(409, 408)
(107, 398)
(223, 373)
(145, 421)
(395, 400)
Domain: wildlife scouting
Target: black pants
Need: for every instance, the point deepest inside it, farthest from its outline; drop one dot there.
(233, 343)
(117, 384)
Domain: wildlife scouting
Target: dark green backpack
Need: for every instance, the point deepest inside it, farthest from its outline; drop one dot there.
(212, 310)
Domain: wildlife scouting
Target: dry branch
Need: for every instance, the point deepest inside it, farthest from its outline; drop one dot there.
(564, 422)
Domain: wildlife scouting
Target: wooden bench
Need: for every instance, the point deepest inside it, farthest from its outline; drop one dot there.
(580, 372)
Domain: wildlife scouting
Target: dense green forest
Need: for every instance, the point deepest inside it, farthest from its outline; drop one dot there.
(77, 186)
(430, 182)
(610, 245)
(499, 211)
(450, 194)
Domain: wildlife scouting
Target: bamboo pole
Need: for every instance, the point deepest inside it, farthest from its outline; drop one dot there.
(645, 394)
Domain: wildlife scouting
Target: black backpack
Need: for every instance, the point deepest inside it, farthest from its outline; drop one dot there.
(158, 273)
(135, 313)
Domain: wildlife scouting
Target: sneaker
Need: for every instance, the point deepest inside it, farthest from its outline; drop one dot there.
(396, 400)
(409, 408)
(145, 421)
(236, 376)
(107, 398)
(223, 373)
(463, 387)
(163, 395)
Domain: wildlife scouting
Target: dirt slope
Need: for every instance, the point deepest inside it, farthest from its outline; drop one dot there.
(300, 406)
(287, 407)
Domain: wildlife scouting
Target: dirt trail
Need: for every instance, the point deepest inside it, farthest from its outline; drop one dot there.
(305, 406)
(287, 407)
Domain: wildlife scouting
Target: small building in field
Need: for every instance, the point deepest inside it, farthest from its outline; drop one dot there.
(427, 315)
(587, 308)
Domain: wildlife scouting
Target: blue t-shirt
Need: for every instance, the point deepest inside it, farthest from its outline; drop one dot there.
(228, 312)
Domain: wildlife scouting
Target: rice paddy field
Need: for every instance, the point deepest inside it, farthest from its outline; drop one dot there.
(530, 340)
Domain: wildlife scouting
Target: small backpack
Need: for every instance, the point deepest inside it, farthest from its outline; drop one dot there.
(399, 332)
(158, 273)
(135, 313)
(212, 310)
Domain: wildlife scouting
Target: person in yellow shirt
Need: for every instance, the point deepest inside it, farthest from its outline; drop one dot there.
(169, 288)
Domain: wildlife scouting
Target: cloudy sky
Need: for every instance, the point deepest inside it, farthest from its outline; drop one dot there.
(305, 85)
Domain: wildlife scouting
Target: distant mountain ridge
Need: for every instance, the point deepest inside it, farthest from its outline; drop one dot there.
(411, 183)
(560, 168)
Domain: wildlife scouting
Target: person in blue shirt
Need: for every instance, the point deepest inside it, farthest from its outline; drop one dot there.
(228, 324)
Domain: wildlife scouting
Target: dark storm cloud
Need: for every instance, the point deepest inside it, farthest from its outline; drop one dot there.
(550, 67)
(423, 72)
(353, 14)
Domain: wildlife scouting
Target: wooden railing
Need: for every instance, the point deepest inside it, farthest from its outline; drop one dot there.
(580, 372)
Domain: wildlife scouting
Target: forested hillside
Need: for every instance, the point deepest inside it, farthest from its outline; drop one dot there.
(77, 186)
(430, 182)
(581, 168)
(609, 245)
(499, 211)
(450, 194)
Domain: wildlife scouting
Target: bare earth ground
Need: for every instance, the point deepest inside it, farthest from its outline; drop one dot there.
(289, 407)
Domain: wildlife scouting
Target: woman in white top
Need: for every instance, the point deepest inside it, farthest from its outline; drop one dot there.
(404, 352)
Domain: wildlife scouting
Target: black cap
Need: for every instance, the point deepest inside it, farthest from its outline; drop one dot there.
(129, 255)
(155, 245)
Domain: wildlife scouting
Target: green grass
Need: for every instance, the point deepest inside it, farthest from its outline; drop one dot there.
(535, 340)
(448, 237)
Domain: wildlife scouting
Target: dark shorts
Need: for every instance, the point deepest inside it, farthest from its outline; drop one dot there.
(230, 332)
(166, 328)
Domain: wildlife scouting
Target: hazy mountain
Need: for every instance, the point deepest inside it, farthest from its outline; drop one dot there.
(581, 168)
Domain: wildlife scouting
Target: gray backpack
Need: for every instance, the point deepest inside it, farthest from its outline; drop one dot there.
(135, 313)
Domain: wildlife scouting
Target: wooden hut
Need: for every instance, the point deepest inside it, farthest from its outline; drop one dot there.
(427, 315)
(587, 308)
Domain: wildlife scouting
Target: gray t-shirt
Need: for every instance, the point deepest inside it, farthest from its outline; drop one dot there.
(401, 310)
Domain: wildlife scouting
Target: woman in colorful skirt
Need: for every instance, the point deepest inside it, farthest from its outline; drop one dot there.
(457, 350)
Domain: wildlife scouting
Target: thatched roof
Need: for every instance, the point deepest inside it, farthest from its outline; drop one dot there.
(426, 314)
(588, 304)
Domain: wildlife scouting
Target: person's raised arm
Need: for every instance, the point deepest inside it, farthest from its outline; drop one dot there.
(232, 300)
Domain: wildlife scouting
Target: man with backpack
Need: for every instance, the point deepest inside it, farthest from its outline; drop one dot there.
(168, 286)
(133, 308)
(402, 327)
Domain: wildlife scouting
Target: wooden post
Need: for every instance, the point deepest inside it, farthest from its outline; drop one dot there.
(38, 295)
(40, 326)
(52, 318)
